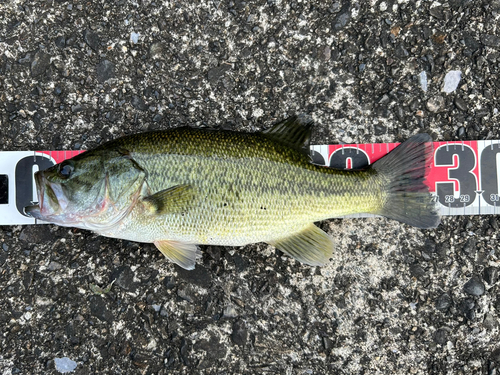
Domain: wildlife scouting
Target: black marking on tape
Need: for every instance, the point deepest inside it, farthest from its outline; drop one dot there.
(4, 189)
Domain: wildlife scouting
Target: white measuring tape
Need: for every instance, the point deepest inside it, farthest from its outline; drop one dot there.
(464, 175)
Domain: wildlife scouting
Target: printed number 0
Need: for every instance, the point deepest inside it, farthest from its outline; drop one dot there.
(24, 179)
(489, 173)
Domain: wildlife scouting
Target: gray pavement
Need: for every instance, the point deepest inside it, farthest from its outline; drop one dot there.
(394, 299)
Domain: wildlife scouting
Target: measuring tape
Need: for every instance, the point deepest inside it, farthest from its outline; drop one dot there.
(463, 177)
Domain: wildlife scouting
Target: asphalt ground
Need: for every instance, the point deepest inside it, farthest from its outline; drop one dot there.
(393, 300)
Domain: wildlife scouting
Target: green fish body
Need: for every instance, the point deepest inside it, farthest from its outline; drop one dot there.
(182, 187)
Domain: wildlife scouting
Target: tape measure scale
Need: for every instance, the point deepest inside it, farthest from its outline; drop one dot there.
(463, 175)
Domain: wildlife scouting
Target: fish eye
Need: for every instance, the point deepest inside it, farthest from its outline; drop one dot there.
(65, 170)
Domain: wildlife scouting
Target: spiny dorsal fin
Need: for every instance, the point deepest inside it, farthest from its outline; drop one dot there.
(310, 246)
(175, 199)
(295, 132)
(183, 254)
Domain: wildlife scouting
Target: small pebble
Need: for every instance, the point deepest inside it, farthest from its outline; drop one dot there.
(490, 40)
(54, 266)
(435, 104)
(92, 39)
(490, 322)
(418, 272)
(124, 277)
(327, 53)
(401, 52)
(466, 307)
(451, 81)
(384, 99)
(65, 365)
(460, 104)
(105, 70)
(186, 295)
(470, 247)
(156, 50)
(76, 108)
(240, 333)
(99, 309)
(490, 275)
(230, 312)
(474, 287)
(423, 80)
(60, 42)
(341, 20)
(134, 37)
(138, 103)
(443, 301)
(440, 336)
(400, 113)
(40, 64)
(414, 104)
(327, 343)
(495, 355)
(429, 246)
(493, 223)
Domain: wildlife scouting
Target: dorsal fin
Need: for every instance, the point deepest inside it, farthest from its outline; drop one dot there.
(295, 132)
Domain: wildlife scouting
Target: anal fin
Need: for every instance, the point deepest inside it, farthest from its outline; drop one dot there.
(183, 254)
(311, 246)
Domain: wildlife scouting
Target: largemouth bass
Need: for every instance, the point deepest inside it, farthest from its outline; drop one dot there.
(183, 187)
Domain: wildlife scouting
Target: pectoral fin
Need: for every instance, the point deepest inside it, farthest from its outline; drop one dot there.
(183, 254)
(175, 199)
(310, 246)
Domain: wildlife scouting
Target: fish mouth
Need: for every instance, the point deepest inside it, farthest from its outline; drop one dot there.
(35, 210)
(51, 199)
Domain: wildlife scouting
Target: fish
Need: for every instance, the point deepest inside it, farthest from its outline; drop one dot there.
(184, 187)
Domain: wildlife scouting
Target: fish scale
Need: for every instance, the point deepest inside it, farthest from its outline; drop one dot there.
(260, 210)
(283, 183)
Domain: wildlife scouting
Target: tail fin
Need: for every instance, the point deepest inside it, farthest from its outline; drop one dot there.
(402, 172)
